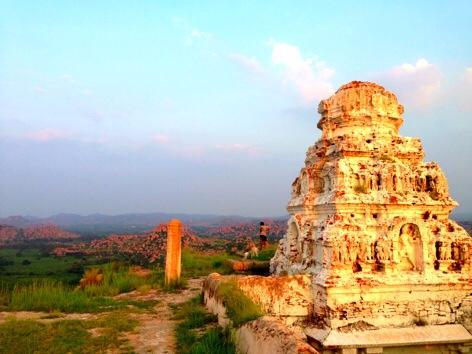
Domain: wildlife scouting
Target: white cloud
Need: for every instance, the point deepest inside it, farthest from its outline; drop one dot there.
(161, 138)
(416, 84)
(46, 135)
(248, 149)
(248, 63)
(310, 76)
(192, 34)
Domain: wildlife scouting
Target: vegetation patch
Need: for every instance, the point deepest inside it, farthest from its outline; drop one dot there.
(66, 336)
(175, 286)
(25, 266)
(266, 254)
(50, 296)
(195, 264)
(239, 308)
(198, 332)
(115, 278)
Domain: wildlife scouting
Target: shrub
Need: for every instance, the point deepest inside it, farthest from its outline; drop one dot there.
(91, 276)
(76, 268)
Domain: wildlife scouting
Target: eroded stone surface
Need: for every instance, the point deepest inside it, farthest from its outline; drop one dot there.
(267, 335)
(370, 246)
(370, 220)
(174, 250)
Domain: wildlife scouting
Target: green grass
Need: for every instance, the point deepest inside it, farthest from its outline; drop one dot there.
(216, 340)
(239, 308)
(198, 333)
(66, 336)
(195, 264)
(53, 296)
(266, 254)
(175, 286)
(41, 267)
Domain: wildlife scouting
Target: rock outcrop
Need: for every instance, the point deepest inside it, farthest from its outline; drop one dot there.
(11, 236)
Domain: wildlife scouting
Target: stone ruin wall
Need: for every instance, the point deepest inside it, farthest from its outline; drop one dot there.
(368, 215)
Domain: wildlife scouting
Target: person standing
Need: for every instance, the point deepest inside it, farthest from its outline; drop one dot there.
(263, 232)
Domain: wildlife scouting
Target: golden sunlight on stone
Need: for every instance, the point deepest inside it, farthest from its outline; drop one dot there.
(371, 261)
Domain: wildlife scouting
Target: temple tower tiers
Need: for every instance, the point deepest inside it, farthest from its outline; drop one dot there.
(367, 211)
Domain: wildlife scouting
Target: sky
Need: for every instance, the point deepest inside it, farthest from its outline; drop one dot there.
(209, 106)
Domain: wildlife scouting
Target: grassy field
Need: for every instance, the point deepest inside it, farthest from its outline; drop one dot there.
(195, 264)
(119, 278)
(46, 283)
(67, 336)
(31, 280)
(29, 265)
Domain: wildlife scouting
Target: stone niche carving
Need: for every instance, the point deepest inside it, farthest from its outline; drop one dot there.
(377, 213)
(410, 247)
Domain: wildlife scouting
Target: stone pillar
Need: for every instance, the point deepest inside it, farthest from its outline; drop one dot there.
(173, 266)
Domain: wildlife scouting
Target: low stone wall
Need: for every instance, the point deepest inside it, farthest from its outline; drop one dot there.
(266, 335)
(214, 304)
(287, 297)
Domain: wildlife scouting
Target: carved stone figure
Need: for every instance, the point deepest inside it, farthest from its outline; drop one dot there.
(465, 252)
(407, 249)
(455, 251)
(444, 251)
(343, 250)
(382, 250)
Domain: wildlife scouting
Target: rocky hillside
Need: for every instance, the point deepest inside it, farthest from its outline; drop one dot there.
(148, 247)
(10, 235)
(233, 230)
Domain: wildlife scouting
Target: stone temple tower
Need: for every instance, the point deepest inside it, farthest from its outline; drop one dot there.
(369, 221)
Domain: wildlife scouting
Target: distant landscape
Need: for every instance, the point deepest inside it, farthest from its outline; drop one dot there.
(64, 245)
(109, 271)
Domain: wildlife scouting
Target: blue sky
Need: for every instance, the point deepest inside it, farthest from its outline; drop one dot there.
(208, 107)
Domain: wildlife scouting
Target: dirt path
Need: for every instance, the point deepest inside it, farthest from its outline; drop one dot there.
(155, 333)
